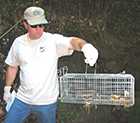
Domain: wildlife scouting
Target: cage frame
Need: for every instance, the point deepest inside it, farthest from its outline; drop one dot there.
(127, 81)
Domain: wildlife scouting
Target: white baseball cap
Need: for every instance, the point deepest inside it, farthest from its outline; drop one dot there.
(35, 15)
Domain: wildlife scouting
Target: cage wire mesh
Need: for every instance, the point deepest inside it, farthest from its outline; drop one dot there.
(98, 89)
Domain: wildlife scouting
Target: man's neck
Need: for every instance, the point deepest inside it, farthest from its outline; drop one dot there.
(31, 38)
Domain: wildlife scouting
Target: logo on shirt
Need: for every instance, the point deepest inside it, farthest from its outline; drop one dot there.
(42, 49)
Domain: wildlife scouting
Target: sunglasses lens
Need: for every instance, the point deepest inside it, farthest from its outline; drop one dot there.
(35, 26)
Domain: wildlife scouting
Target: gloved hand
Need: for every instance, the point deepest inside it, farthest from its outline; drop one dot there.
(90, 53)
(7, 94)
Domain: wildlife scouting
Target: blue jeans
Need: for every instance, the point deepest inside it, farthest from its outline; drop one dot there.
(20, 110)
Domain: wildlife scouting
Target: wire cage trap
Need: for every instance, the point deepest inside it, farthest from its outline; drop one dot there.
(98, 89)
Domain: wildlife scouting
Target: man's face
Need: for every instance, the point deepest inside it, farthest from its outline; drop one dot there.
(35, 31)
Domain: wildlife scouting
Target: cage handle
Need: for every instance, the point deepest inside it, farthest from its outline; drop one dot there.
(86, 68)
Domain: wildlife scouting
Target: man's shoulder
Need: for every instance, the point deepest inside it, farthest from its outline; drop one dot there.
(20, 38)
(52, 34)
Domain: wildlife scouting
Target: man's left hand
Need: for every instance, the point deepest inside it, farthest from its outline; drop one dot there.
(90, 53)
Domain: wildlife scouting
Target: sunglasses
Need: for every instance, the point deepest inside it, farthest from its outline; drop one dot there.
(35, 26)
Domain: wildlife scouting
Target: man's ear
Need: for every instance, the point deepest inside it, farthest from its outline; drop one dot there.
(24, 23)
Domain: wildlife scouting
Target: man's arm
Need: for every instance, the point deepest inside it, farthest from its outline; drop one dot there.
(89, 51)
(77, 43)
(10, 76)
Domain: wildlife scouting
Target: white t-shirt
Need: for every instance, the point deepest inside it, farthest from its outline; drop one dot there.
(38, 66)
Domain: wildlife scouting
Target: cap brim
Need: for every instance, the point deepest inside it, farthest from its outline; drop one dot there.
(37, 21)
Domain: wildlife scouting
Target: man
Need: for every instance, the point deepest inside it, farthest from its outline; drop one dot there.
(36, 54)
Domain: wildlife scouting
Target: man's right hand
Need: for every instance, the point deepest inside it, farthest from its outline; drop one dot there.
(7, 94)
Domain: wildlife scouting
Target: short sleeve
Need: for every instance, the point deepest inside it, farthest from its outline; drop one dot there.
(63, 45)
(12, 58)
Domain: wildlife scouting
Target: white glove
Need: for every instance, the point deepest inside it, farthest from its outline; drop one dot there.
(7, 94)
(8, 97)
(90, 53)
(10, 102)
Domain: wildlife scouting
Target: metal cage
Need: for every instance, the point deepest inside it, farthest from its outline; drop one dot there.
(99, 89)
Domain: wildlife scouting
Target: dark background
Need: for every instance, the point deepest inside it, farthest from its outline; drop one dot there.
(112, 26)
